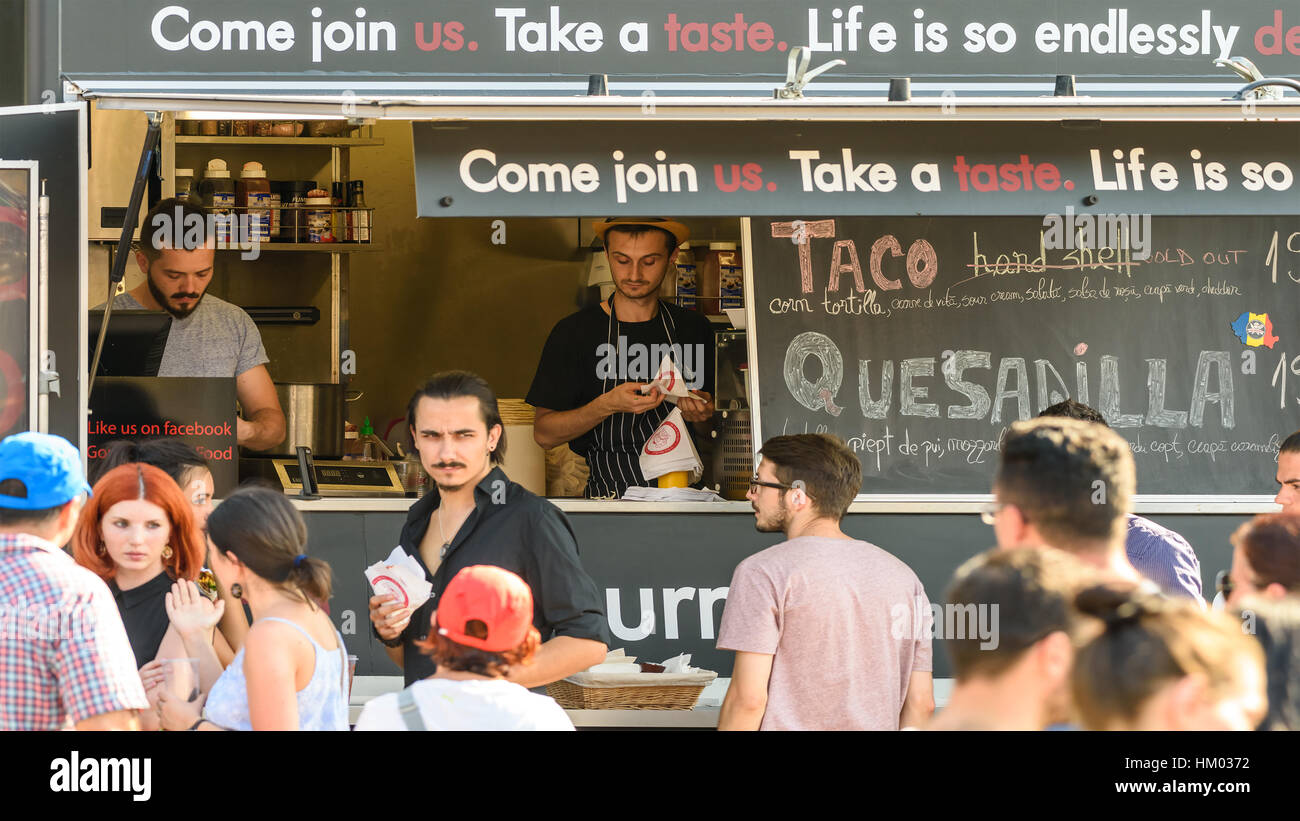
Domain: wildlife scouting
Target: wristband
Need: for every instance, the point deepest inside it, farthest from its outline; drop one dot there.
(196, 724)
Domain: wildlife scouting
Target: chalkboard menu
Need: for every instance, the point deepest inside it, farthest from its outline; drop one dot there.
(919, 340)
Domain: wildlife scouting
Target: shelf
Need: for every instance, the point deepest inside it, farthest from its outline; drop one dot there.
(342, 142)
(316, 247)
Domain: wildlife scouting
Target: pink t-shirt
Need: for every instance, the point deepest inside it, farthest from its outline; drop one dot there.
(846, 622)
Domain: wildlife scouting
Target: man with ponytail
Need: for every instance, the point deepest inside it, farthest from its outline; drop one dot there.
(475, 515)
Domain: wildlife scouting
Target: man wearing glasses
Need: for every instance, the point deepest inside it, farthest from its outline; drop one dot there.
(828, 631)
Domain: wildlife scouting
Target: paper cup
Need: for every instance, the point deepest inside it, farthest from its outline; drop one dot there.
(677, 478)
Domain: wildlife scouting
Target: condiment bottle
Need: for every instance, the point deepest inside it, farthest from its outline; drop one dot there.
(295, 218)
(253, 195)
(687, 277)
(730, 276)
(217, 192)
(337, 198)
(358, 220)
(367, 444)
(711, 278)
(319, 216)
(277, 199)
(184, 181)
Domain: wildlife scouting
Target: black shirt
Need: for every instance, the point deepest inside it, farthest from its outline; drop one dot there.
(590, 352)
(523, 533)
(144, 615)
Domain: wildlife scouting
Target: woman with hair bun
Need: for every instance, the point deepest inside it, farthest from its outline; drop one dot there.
(1165, 664)
(291, 673)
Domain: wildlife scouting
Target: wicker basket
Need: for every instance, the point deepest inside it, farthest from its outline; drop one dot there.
(644, 697)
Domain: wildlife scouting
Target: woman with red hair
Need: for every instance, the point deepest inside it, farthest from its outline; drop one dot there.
(137, 533)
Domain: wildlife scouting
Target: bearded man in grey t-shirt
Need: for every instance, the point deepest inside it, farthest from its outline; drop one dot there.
(209, 336)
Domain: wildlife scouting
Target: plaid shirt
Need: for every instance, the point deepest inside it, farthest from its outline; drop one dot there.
(64, 655)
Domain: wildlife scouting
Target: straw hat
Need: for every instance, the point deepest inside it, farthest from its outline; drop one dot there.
(678, 230)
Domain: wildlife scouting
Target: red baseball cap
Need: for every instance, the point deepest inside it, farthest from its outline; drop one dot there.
(492, 595)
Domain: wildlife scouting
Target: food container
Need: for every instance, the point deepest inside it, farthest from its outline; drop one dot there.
(319, 217)
(313, 416)
(327, 128)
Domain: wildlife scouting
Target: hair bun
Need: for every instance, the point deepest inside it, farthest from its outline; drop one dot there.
(1117, 607)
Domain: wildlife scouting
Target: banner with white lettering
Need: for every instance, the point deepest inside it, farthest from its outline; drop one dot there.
(695, 169)
(711, 46)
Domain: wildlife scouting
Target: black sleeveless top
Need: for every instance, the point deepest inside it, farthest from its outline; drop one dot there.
(144, 614)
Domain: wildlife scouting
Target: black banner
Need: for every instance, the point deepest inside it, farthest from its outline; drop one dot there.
(712, 47)
(773, 168)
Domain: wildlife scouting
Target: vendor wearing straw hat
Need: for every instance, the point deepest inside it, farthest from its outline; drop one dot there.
(588, 390)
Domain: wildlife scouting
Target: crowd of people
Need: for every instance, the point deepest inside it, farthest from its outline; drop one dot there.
(1083, 616)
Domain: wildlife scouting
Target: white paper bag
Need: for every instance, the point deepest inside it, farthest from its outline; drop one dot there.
(668, 379)
(400, 576)
(670, 449)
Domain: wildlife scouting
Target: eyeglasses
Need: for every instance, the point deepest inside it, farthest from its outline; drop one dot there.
(756, 483)
(989, 512)
(1223, 583)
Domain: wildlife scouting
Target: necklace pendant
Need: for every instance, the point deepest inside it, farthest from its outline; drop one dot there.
(442, 554)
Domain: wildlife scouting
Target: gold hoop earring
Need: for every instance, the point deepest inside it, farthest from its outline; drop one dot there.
(167, 551)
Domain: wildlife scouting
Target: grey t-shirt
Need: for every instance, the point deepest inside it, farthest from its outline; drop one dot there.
(217, 339)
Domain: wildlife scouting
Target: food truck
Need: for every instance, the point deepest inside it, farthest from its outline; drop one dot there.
(985, 209)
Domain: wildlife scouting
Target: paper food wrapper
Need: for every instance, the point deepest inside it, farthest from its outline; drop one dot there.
(668, 379)
(670, 448)
(400, 576)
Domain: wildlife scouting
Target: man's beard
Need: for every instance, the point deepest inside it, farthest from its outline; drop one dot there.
(161, 299)
(777, 524)
(653, 292)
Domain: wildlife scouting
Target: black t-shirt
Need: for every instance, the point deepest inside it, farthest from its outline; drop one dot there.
(144, 615)
(589, 352)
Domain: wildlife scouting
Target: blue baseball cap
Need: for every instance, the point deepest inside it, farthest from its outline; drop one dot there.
(48, 465)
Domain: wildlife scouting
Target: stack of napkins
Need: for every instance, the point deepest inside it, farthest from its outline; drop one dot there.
(668, 379)
(680, 664)
(670, 494)
(400, 576)
(670, 449)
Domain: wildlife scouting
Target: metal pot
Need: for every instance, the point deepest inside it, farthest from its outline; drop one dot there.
(313, 415)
